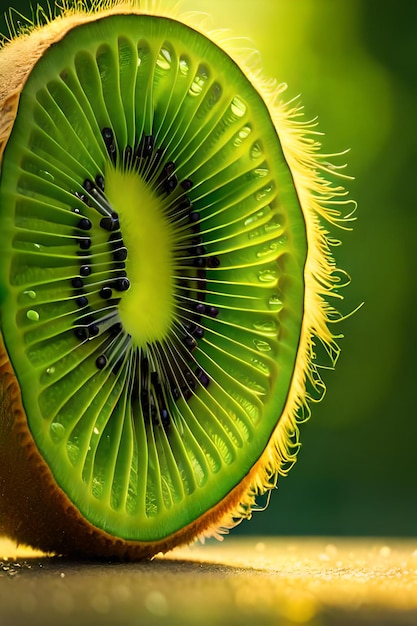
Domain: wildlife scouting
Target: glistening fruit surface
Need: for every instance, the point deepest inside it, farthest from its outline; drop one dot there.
(153, 276)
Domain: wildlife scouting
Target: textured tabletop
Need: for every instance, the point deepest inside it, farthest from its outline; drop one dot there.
(262, 581)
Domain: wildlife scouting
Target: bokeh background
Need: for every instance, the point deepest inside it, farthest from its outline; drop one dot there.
(353, 62)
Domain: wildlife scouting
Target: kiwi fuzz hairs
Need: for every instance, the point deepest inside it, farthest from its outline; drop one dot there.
(166, 275)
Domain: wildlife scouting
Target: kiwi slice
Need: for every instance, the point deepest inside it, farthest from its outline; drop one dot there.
(158, 295)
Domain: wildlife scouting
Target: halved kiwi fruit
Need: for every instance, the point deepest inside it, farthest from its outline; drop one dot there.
(162, 278)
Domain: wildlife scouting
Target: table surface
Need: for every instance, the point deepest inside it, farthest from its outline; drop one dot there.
(276, 581)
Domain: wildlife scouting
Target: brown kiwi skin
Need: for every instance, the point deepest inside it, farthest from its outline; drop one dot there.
(35, 511)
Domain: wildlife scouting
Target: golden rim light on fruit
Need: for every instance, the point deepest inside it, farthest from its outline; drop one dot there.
(190, 357)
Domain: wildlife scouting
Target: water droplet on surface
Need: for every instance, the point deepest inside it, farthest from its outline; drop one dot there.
(50, 371)
(164, 59)
(238, 107)
(32, 315)
(272, 226)
(264, 192)
(214, 94)
(262, 345)
(30, 294)
(254, 234)
(267, 276)
(274, 302)
(57, 431)
(259, 172)
(199, 80)
(184, 66)
(241, 136)
(256, 150)
(261, 366)
(73, 452)
(266, 326)
(253, 385)
(267, 250)
(47, 175)
(256, 216)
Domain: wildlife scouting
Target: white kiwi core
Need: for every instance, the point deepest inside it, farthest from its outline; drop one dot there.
(147, 308)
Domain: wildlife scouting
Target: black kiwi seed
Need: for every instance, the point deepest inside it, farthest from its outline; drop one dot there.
(82, 301)
(81, 333)
(101, 362)
(194, 216)
(110, 222)
(84, 224)
(93, 330)
(100, 182)
(120, 254)
(122, 284)
(85, 270)
(84, 243)
(77, 283)
(106, 293)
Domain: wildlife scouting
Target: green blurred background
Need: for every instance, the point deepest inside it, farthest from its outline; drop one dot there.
(353, 62)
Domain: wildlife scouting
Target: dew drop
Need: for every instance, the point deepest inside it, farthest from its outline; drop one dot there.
(164, 59)
(267, 276)
(253, 385)
(262, 345)
(184, 66)
(274, 302)
(57, 431)
(254, 234)
(267, 250)
(73, 451)
(32, 315)
(50, 371)
(214, 95)
(264, 192)
(238, 107)
(272, 226)
(259, 172)
(199, 80)
(266, 326)
(241, 136)
(47, 175)
(255, 217)
(30, 294)
(256, 151)
(261, 366)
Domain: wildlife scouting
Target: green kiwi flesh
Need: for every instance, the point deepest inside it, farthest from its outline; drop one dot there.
(152, 273)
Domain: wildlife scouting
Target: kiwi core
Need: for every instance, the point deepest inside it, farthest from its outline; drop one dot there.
(147, 309)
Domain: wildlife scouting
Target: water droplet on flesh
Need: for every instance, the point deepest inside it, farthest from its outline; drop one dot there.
(256, 150)
(274, 302)
(238, 107)
(262, 345)
(261, 366)
(164, 59)
(267, 276)
(266, 326)
(32, 315)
